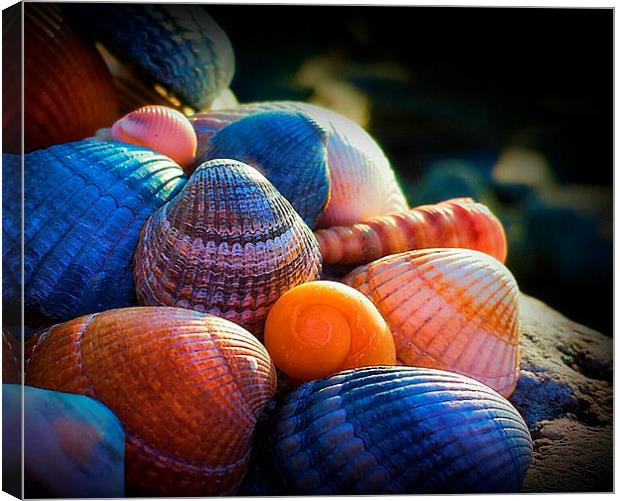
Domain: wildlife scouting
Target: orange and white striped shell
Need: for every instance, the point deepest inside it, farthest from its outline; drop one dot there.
(186, 386)
(362, 181)
(163, 129)
(228, 244)
(459, 222)
(449, 309)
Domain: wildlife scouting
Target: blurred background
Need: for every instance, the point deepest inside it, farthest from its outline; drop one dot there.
(513, 107)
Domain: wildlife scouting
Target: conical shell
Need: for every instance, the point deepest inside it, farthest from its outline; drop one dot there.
(160, 128)
(68, 90)
(288, 148)
(397, 430)
(187, 387)
(228, 244)
(179, 48)
(363, 183)
(74, 446)
(452, 309)
(459, 222)
(84, 206)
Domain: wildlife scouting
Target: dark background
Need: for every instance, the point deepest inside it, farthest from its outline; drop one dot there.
(446, 91)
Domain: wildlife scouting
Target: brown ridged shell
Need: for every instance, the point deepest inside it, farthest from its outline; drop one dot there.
(68, 91)
(449, 309)
(187, 387)
(228, 244)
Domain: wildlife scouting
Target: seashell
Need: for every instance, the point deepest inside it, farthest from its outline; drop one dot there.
(451, 309)
(363, 183)
(11, 358)
(400, 430)
(74, 446)
(69, 91)
(228, 244)
(84, 205)
(319, 328)
(187, 387)
(459, 222)
(176, 49)
(162, 129)
(288, 148)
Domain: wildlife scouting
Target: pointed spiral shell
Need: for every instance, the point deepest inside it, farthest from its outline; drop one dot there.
(362, 181)
(451, 309)
(228, 244)
(400, 430)
(160, 128)
(187, 387)
(459, 222)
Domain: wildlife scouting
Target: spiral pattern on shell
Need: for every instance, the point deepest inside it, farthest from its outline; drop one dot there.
(160, 128)
(459, 222)
(362, 181)
(452, 309)
(228, 244)
(190, 416)
(400, 430)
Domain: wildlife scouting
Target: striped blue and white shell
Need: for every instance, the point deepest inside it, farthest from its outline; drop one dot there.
(397, 430)
(84, 205)
(288, 148)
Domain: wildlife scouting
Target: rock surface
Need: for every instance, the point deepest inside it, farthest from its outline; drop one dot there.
(565, 394)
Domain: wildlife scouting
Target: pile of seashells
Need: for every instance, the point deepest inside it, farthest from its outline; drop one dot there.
(157, 243)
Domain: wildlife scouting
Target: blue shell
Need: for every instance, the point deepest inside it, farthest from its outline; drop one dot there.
(288, 148)
(74, 446)
(84, 205)
(177, 46)
(383, 430)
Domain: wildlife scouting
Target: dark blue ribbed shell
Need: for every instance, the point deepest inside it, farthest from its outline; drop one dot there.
(179, 46)
(288, 148)
(84, 205)
(395, 430)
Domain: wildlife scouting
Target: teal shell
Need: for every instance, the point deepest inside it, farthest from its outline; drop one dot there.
(397, 430)
(74, 446)
(84, 205)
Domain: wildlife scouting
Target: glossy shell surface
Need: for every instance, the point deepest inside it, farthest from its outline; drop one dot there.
(69, 91)
(288, 148)
(363, 183)
(74, 446)
(179, 47)
(160, 128)
(452, 309)
(459, 222)
(397, 430)
(84, 205)
(186, 386)
(228, 244)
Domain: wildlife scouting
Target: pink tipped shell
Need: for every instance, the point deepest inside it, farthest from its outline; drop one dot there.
(459, 222)
(162, 129)
(449, 309)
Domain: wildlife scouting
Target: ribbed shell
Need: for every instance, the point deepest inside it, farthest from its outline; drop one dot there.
(69, 92)
(187, 386)
(363, 184)
(178, 46)
(288, 148)
(452, 309)
(84, 205)
(160, 128)
(228, 244)
(73, 445)
(459, 222)
(396, 430)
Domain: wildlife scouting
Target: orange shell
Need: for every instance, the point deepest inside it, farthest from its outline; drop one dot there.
(162, 129)
(319, 328)
(187, 387)
(458, 222)
(450, 309)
